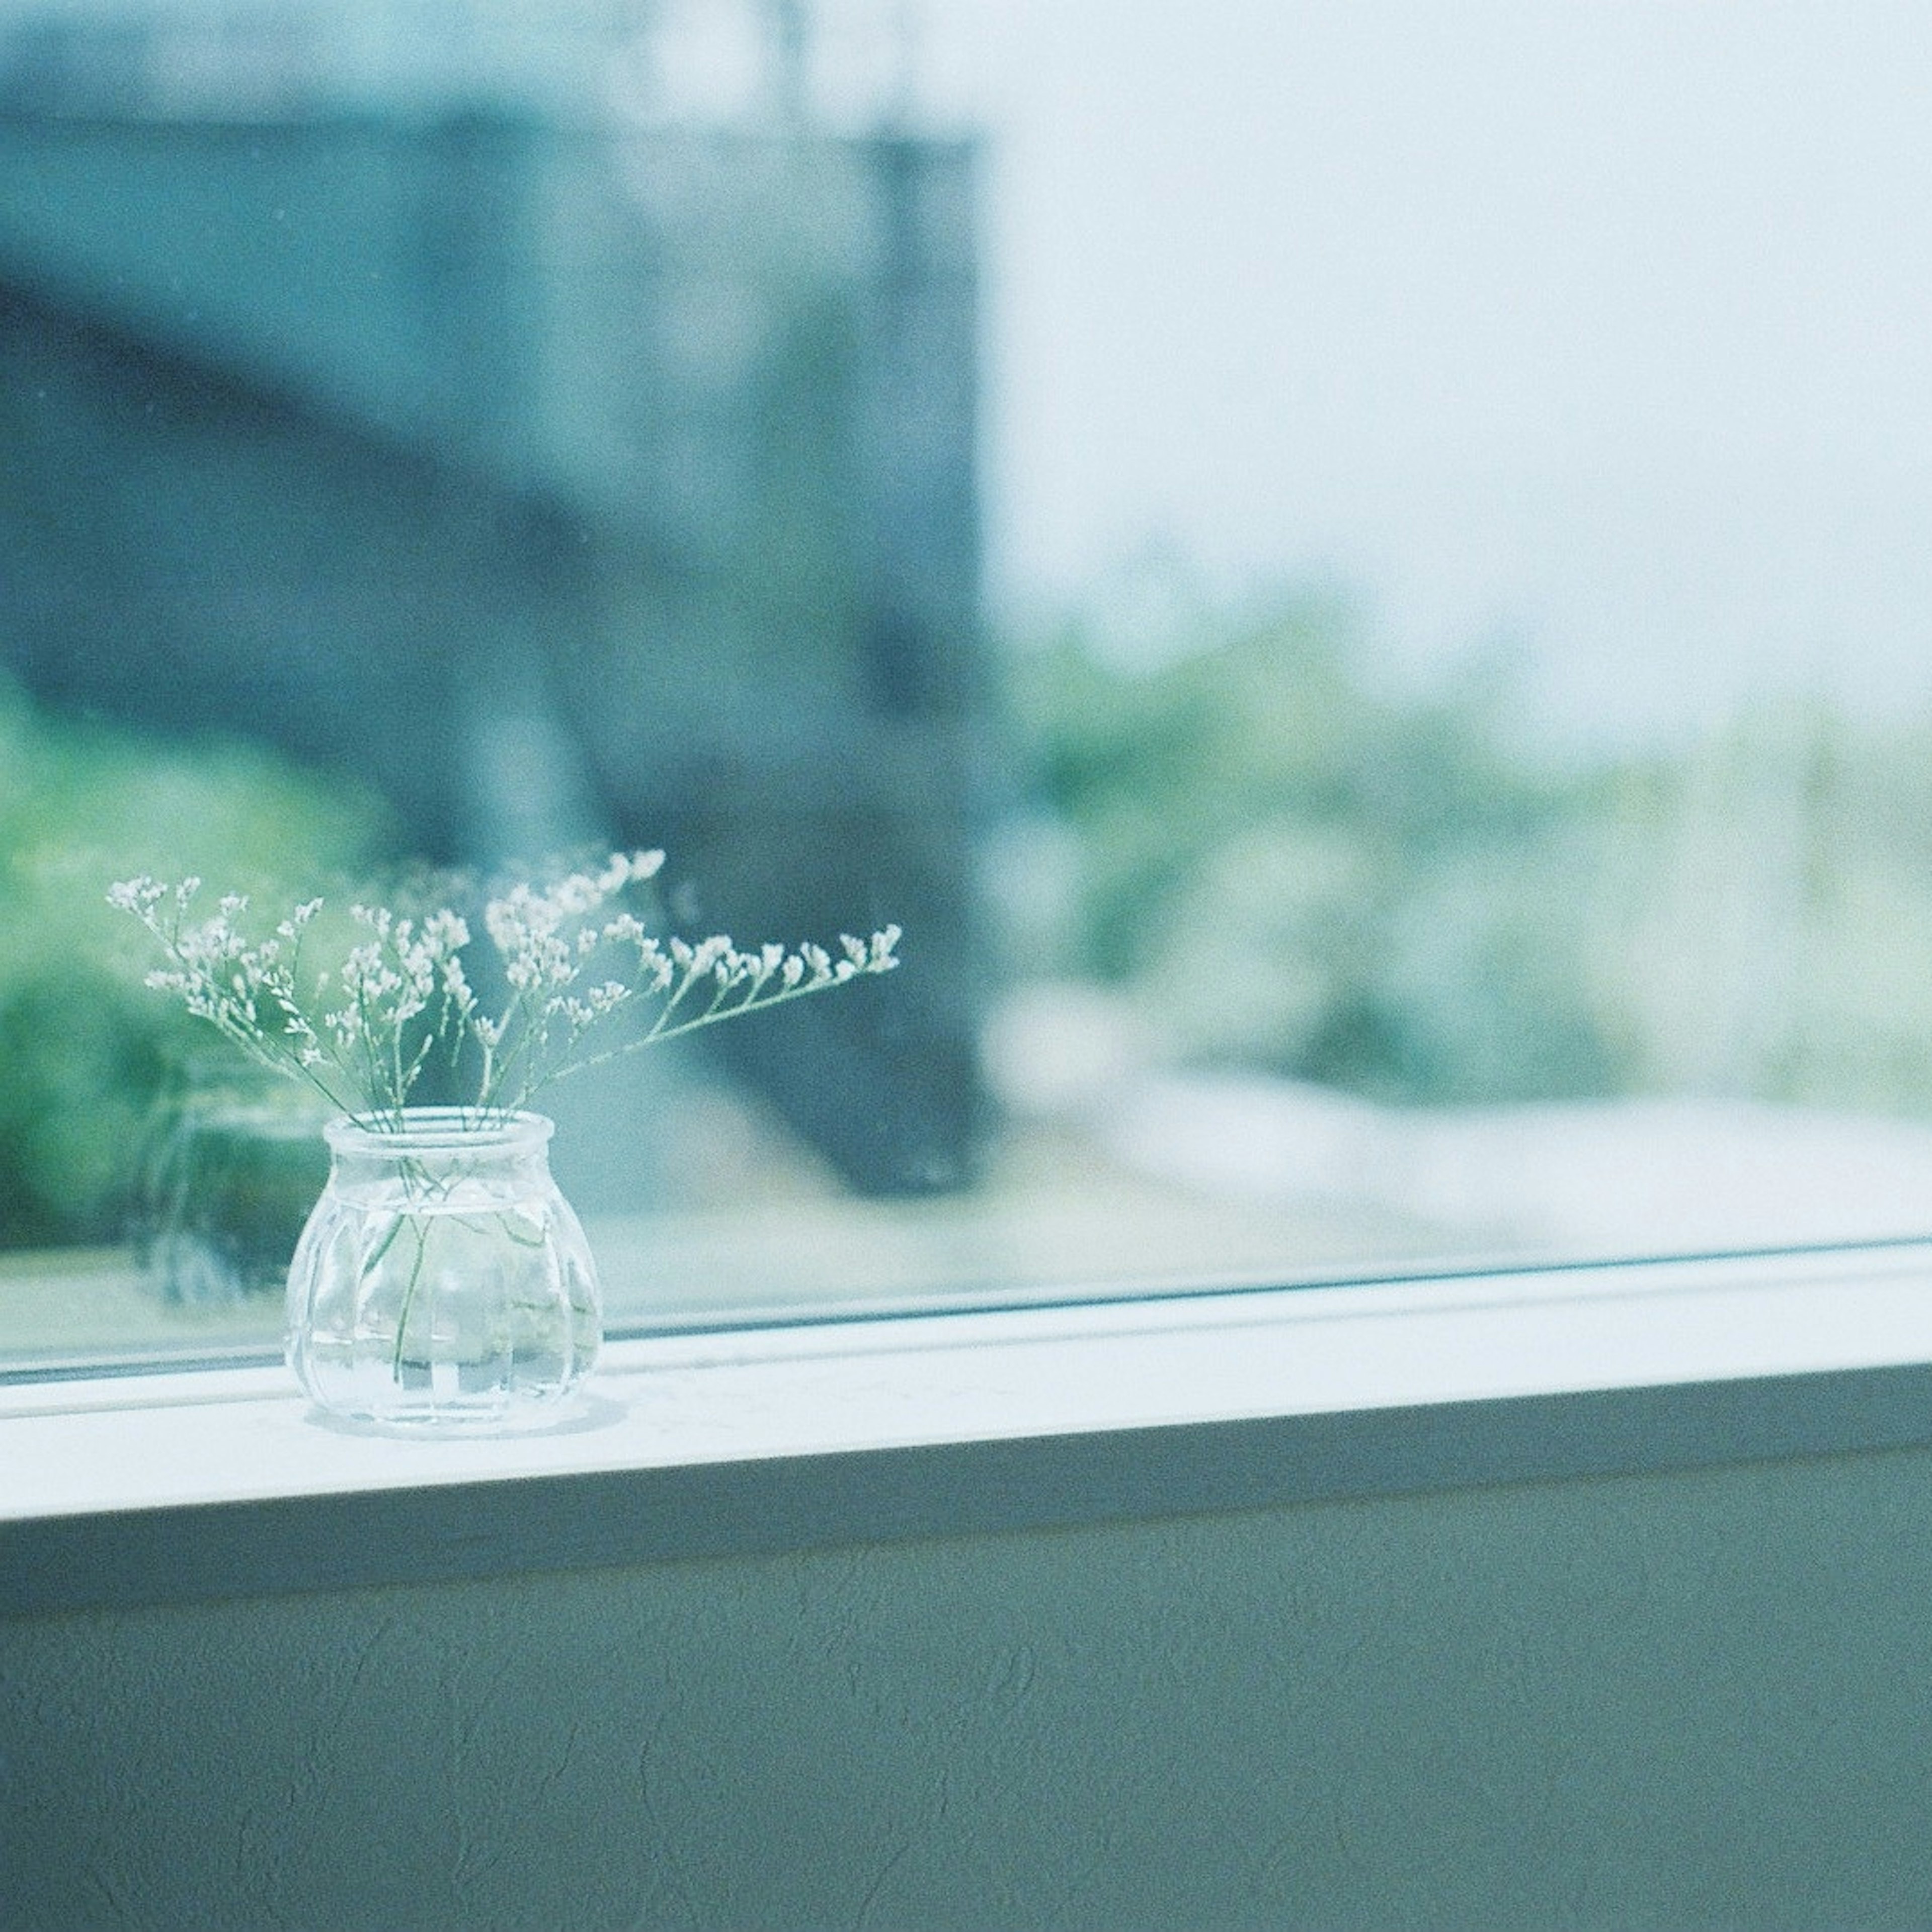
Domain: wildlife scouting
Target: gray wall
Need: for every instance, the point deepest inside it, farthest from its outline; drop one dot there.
(1694, 1700)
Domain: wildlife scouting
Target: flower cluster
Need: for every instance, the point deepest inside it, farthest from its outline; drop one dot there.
(576, 966)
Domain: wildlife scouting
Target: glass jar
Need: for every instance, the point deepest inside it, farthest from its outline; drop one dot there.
(225, 1184)
(443, 1283)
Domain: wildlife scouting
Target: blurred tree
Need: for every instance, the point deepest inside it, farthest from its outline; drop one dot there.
(1296, 873)
(88, 1050)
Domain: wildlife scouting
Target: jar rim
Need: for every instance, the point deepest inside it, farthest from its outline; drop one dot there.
(438, 1129)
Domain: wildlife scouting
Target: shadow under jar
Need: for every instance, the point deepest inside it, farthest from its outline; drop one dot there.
(442, 1283)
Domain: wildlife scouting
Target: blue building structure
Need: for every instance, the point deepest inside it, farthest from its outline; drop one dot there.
(565, 477)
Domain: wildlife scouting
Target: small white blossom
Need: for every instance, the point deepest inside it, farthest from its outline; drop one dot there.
(402, 990)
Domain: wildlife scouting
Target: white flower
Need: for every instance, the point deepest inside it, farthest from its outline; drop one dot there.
(456, 986)
(138, 896)
(402, 990)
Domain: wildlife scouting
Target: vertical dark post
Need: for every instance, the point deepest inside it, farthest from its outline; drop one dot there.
(887, 1082)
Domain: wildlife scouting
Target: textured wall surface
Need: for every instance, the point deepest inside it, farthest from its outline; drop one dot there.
(1689, 1700)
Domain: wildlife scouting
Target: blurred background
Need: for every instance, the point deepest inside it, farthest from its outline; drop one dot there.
(1356, 581)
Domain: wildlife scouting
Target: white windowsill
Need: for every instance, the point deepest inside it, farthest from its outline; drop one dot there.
(222, 1481)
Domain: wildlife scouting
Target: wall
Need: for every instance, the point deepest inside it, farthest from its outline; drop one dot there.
(1693, 1699)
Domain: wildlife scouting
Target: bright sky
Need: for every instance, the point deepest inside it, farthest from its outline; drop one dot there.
(1602, 326)
(1607, 327)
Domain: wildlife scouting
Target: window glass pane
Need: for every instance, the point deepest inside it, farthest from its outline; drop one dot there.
(1353, 578)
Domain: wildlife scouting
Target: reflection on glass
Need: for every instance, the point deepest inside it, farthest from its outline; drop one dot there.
(1353, 584)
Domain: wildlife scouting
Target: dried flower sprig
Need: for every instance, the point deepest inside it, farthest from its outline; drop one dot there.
(575, 962)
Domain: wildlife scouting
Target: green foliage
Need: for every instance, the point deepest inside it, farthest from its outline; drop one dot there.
(1294, 873)
(1768, 912)
(1288, 871)
(87, 1049)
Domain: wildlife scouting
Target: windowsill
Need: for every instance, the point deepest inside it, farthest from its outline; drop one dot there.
(222, 1482)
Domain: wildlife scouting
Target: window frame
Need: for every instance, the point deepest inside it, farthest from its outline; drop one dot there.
(187, 1485)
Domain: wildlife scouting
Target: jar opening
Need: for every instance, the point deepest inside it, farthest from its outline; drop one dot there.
(422, 1130)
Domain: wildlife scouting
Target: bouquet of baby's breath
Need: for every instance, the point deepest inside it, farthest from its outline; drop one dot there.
(584, 981)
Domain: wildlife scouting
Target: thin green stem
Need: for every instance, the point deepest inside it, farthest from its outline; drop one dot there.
(419, 1229)
(659, 1033)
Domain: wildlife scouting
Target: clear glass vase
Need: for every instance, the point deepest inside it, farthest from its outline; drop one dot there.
(442, 1283)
